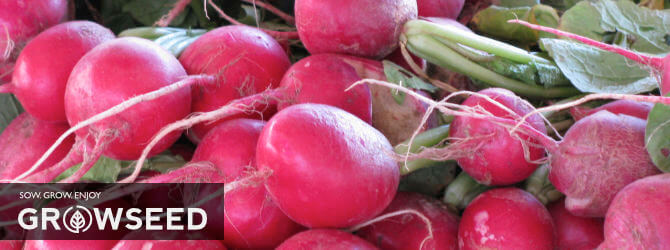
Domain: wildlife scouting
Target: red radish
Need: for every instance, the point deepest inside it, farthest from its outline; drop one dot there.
(158, 196)
(11, 244)
(397, 58)
(114, 72)
(598, 156)
(44, 66)
(325, 239)
(637, 218)
(69, 244)
(25, 140)
(637, 109)
(365, 28)
(110, 75)
(327, 167)
(662, 65)
(162, 240)
(324, 79)
(440, 8)
(408, 231)
(21, 20)
(498, 157)
(506, 218)
(250, 219)
(246, 61)
(573, 232)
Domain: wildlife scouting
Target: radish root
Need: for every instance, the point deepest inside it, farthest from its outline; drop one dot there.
(279, 35)
(191, 80)
(174, 12)
(429, 226)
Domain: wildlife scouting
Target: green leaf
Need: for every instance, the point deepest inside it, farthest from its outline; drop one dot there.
(430, 180)
(517, 3)
(598, 71)
(644, 29)
(533, 73)
(657, 136)
(561, 5)
(493, 22)
(147, 12)
(10, 108)
(106, 170)
(174, 40)
(405, 78)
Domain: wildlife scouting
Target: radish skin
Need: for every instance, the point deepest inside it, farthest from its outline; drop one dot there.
(637, 109)
(574, 232)
(506, 218)
(325, 151)
(365, 28)
(409, 231)
(25, 140)
(44, 65)
(440, 8)
(325, 239)
(250, 63)
(637, 219)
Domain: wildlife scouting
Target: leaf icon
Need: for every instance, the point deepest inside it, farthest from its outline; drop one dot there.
(77, 221)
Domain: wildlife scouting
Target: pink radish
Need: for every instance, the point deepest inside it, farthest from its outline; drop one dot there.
(316, 152)
(637, 218)
(598, 156)
(498, 157)
(440, 8)
(164, 240)
(409, 231)
(69, 244)
(325, 239)
(662, 65)
(115, 71)
(247, 61)
(109, 75)
(365, 28)
(44, 65)
(250, 219)
(11, 244)
(637, 109)
(506, 218)
(573, 232)
(21, 20)
(25, 140)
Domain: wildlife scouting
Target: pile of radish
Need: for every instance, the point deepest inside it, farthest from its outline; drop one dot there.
(317, 118)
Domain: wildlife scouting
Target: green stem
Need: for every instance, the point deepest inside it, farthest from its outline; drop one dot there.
(538, 185)
(436, 52)
(428, 138)
(451, 33)
(151, 33)
(462, 190)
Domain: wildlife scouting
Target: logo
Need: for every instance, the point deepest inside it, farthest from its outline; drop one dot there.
(77, 222)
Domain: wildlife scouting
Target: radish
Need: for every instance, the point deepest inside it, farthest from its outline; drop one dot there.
(637, 219)
(497, 158)
(327, 168)
(21, 20)
(598, 156)
(44, 65)
(662, 65)
(79, 244)
(637, 109)
(440, 8)
(247, 61)
(397, 58)
(25, 140)
(106, 77)
(325, 239)
(506, 218)
(365, 28)
(250, 219)
(409, 231)
(163, 240)
(575, 232)
(11, 244)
